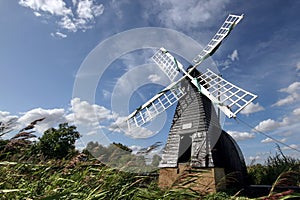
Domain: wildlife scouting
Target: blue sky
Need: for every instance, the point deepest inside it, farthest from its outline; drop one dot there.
(47, 45)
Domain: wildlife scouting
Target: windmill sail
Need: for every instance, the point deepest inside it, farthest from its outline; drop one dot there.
(167, 63)
(216, 41)
(165, 98)
(228, 97)
(155, 106)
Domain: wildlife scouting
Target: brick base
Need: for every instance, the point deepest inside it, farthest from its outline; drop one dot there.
(203, 180)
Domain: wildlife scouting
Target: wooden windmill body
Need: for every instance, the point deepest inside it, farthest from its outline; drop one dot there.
(197, 141)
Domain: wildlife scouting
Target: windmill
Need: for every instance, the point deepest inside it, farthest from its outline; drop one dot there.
(196, 136)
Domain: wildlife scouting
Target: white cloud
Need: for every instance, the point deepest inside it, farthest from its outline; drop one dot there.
(58, 35)
(78, 16)
(294, 95)
(252, 108)
(187, 14)
(54, 7)
(267, 125)
(97, 10)
(234, 56)
(87, 10)
(287, 100)
(294, 87)
(93, 117)
(37, 14)
(293, 146)
(84, 113)
(84, 10)
(296, 111)
(289, 121)
(269, 140)
(6, 116)
(89, 119)
(67, 23)
(52, 118)
(154, 78)
(241, 135)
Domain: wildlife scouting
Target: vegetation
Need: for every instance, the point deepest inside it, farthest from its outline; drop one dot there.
(50, 168)
(58, 143)
(119, 156)
(276, 166)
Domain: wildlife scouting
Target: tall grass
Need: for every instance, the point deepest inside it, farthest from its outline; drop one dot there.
(84, 181)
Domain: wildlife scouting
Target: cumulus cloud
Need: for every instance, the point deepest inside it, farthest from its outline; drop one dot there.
(84, 113)
(294, 87)
(6, 116)
(239, 136)
(270, 124)
(267, 125)
(87, 10)
(52, 118)
(287, 100)
(93, 117)
(54, 7)
(78, 16)
(252, 108)
(294, 94)
(89, 118)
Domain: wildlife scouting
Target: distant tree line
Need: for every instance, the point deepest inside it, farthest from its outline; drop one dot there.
(59, 143)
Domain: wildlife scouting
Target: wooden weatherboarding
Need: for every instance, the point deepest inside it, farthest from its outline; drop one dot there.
(196, 139)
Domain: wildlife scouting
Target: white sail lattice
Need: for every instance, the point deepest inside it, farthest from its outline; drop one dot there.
(225, 29)
(155, 106)
(167, 63)
(226, 93)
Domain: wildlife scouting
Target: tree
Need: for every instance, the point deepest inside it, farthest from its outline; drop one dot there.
(58, 143)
